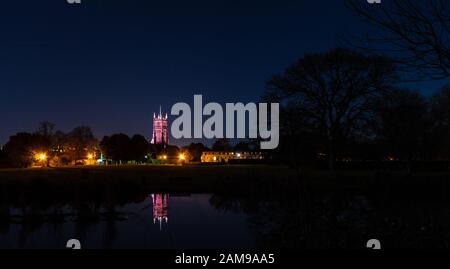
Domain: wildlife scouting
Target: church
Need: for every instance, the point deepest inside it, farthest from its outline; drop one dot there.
(160, 134)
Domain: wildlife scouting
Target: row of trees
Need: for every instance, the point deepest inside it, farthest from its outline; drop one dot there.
(122, 148)
(332, 95)
(76, 146)
(344, 105)
(24, 149)
(59, 148)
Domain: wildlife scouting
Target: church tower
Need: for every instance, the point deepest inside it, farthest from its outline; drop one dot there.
(160, 125)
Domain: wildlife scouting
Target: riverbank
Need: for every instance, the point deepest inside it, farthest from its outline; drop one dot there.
(217, 178)
(188, 178)
(286, 208)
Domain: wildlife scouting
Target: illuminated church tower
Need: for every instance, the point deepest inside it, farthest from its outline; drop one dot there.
(160, 135)
(160, 206)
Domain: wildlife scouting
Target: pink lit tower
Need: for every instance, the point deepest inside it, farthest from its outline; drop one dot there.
(160, 135)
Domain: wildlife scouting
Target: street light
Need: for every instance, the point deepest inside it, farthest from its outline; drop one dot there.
(41, 157)
(90, 156)
(182, 157)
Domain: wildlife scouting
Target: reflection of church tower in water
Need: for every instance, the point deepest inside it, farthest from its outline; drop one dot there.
(160, 207)
(160, 135)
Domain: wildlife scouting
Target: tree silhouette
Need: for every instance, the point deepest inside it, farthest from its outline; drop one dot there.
(334, 91)
(414, 33)
(116, 147)
(403, 124)
(139, 148)
(81, 142)
(21, 149)
(221, 144)
(196, 150)
(242, 146)
(438, 142)
(46, 129)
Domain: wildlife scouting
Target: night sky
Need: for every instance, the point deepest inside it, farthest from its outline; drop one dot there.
(110, 64)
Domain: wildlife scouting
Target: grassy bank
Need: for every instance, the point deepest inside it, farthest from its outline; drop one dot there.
(189, 178)
(203, 178)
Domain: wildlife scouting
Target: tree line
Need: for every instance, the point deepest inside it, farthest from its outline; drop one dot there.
(345, 105)
(63, 149)
(59, 148)
(349, 103)
(338, 105)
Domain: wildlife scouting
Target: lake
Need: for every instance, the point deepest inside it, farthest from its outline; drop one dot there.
(127, 216)
(159, 221)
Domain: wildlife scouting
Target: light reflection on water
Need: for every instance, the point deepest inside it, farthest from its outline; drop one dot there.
(160, 221)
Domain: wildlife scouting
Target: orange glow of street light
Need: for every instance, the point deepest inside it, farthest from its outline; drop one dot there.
(90, 156)
(41, 157)
(182, 157)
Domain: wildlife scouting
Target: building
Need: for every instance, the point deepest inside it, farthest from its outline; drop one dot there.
(229, 156)
(160, 125)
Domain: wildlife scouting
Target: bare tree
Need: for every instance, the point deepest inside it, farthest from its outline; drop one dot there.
(439, 144)
(333, 91)
(403, 124)
(46, 128)
(415, 33)
(80, 142)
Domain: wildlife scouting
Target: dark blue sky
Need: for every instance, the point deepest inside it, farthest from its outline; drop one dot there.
(109, 64)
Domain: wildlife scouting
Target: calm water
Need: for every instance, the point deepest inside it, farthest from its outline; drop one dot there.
(123, 216)
(159, 221)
